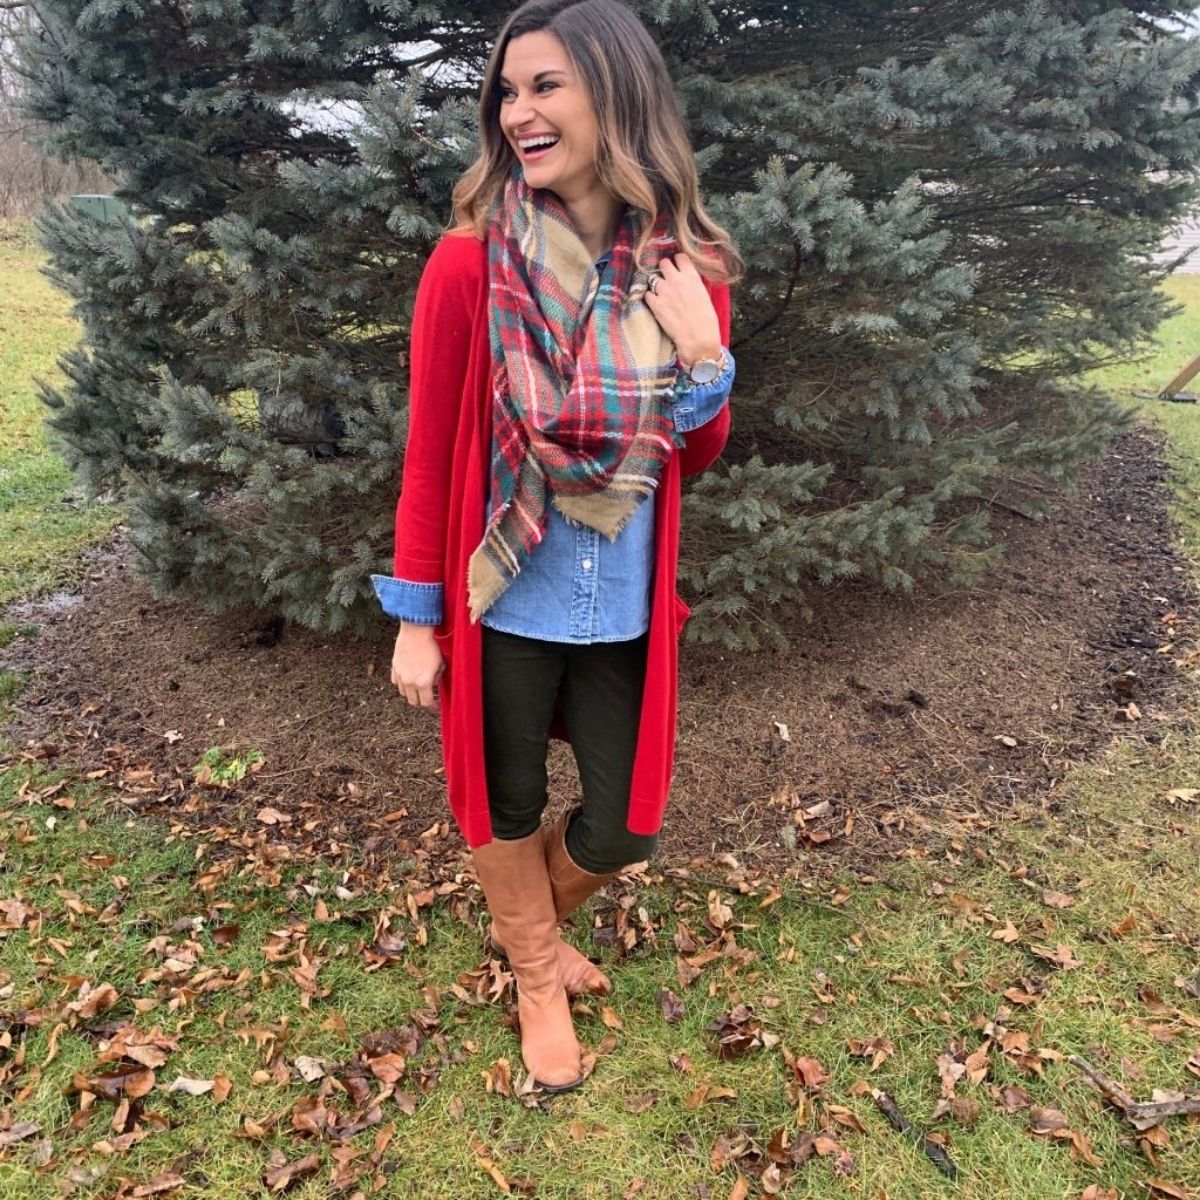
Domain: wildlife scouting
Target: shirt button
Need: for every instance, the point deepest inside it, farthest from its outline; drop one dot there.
(586, 564)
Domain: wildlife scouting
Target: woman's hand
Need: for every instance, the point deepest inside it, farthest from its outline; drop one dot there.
(682, 306)
(417, 664)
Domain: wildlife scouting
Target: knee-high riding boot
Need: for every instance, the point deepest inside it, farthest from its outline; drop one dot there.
(516, 883)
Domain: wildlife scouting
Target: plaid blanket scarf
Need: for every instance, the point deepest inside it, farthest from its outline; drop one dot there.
(582, 373)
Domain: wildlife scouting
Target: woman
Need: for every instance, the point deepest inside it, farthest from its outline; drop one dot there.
(568, 362)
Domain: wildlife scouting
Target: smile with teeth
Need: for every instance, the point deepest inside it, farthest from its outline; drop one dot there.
(537, 147)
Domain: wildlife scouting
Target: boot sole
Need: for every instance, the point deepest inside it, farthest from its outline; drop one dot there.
(561, 1087)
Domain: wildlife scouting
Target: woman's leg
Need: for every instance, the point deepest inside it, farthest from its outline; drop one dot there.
(602, 705)
(521, 678)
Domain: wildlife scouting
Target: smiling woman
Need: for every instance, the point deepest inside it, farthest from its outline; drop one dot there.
(593, 77)
(572, 337)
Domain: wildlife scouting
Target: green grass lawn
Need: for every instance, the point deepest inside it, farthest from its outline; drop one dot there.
(967, 971)
(42, 523)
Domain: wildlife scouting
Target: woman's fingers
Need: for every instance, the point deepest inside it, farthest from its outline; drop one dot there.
(418, 696)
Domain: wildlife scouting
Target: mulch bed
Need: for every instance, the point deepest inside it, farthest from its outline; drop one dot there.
(902, 715)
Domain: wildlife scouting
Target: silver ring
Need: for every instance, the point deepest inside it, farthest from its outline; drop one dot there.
(652, 283)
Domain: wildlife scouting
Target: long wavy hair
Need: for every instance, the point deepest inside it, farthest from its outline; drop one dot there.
(644, 157)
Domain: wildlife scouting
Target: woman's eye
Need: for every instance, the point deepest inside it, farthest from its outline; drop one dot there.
(509, 92)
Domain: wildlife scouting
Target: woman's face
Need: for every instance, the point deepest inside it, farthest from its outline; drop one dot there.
(541, 93)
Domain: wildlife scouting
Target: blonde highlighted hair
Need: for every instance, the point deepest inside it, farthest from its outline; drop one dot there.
(645, 156)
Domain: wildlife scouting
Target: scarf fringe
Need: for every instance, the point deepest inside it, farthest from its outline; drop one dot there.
(485, 582)
(606, 512)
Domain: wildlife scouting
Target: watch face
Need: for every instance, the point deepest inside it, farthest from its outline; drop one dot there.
(705, 371)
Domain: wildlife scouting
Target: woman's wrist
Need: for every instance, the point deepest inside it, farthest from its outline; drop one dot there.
(406, 626)
(687, 357)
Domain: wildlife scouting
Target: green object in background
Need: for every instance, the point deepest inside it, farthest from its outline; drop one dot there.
(100, 206)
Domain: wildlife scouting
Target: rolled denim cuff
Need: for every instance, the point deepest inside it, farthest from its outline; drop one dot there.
(696, 406)
(419, 603)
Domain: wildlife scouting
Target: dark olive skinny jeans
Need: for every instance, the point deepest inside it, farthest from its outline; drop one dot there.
(601, 684)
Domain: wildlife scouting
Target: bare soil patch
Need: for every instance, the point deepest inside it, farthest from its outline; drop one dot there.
(902, 715)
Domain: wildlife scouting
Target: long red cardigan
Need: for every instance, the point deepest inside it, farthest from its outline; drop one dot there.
(440, 521)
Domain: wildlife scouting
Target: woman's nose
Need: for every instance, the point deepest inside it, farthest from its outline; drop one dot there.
(520, 114)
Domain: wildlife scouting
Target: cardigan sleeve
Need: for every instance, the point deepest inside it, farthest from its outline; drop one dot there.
(703, 445)
(439, 350)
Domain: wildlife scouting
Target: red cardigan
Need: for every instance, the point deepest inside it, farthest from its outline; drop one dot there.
(440, 521)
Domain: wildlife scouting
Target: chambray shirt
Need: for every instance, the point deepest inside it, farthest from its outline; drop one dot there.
(576, 585)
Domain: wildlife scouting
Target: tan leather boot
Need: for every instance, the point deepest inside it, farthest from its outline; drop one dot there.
(572, 885)
(513, 875)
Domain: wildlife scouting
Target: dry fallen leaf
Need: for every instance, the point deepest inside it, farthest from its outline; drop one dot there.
(1044, 1121)
(490, 1167)
(168, 1181)
(281, 1174)
(670, 1005)
(1172, 1191)
(310, 1069)
(17, 1133)
(1061, 956)
(192, 1087)
(878, 1049)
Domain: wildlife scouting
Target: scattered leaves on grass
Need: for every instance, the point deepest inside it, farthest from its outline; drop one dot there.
(343, 1096)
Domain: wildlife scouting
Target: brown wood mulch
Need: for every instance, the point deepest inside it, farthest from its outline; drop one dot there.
(904, 717)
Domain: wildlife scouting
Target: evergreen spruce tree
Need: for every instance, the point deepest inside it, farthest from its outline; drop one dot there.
(948, 211)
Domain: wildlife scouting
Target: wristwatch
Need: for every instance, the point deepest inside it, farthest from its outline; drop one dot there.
(705, 370)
